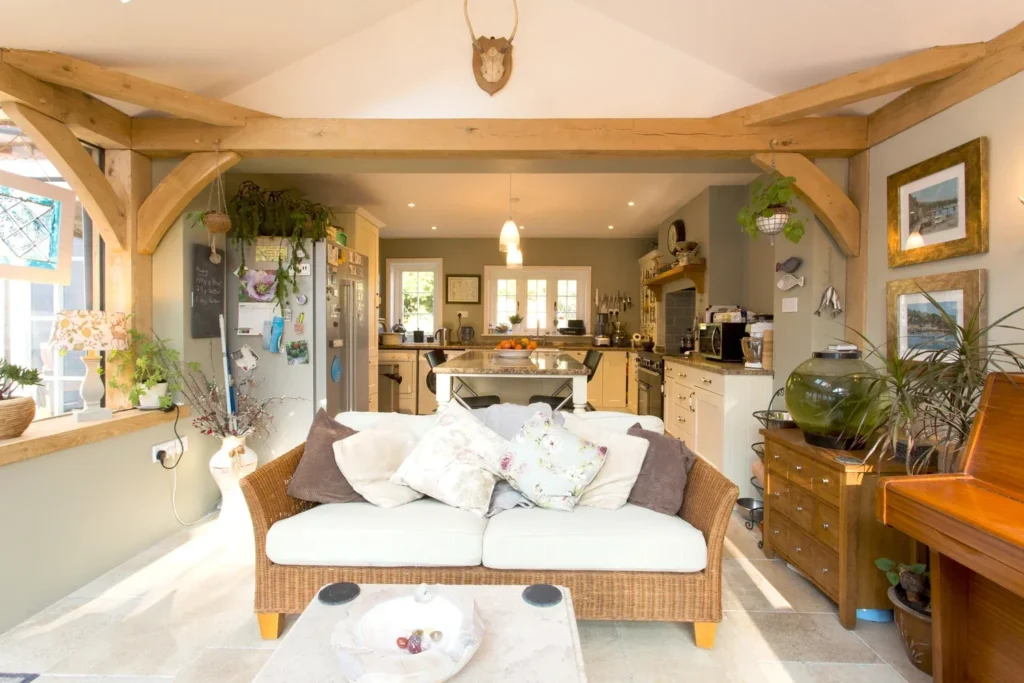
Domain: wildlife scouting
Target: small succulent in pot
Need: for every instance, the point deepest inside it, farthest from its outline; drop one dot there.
(16, 412)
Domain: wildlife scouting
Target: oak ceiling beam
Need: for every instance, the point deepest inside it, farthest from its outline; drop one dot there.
(906, 72)
(834, 209)
(59, 69)
(533, 138)
(175, 191)
(90, 119)
(66, 153)
(1004, 57)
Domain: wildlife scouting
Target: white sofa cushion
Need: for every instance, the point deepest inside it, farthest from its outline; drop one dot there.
(628, 539)
(619, 422)
(610, 488)
(371, 458)
(424, 533)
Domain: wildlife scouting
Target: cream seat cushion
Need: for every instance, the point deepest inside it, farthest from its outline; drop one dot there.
(631, 538)
(423, 533)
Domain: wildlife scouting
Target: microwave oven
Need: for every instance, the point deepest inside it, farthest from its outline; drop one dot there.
(721, 341)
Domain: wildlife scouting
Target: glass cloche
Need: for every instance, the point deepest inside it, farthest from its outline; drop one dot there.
(834, 398)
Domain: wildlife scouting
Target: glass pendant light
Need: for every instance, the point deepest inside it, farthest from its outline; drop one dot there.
(514, 258)
(509, 231)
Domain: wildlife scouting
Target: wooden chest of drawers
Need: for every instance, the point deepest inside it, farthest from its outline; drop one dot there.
(819, 516)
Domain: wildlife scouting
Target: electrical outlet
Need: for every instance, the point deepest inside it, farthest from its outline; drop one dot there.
(789, 304)
(304, 269)
(171, 450)
(464, 314)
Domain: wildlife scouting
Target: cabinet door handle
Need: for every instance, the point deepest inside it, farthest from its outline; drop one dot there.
(799, 468)
(824, 525)
(824, 480)
(705, 380)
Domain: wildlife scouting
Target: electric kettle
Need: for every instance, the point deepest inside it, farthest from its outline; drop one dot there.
(443, 336)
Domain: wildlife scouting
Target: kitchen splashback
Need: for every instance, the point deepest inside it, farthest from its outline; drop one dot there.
(680, 308)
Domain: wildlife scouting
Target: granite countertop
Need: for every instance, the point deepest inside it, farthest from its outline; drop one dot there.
(490, 363)
(701, 363)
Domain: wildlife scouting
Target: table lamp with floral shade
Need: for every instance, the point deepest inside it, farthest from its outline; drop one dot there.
(92, 332)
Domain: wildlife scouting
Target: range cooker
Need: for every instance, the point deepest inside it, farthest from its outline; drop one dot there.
(650, 373)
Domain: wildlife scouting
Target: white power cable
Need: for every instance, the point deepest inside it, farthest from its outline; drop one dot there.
(174, 507)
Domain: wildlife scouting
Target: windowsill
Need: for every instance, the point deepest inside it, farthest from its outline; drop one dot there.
(61, 433)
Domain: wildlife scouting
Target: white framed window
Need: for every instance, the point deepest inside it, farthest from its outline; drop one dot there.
(415, 293)
(546, 296)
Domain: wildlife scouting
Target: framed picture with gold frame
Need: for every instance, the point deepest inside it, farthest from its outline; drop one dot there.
(912, 321)
(938, 208)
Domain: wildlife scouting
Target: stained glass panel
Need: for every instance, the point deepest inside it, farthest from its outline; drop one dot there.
(36, 226)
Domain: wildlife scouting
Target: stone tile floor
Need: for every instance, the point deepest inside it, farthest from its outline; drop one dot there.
(182, 612)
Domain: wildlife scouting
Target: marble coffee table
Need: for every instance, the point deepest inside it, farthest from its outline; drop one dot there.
(522, 644)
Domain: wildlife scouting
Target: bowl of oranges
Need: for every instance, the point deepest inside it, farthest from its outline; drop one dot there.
(516, 348)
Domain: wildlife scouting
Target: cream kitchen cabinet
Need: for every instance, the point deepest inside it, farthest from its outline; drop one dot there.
(632, 388)
(614, 370)
(406, 362)
(710, 407)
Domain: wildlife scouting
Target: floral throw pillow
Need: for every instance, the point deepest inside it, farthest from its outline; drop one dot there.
(550, 465)
(455, 461)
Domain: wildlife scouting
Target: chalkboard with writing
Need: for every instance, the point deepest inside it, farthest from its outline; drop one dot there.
(207, 292)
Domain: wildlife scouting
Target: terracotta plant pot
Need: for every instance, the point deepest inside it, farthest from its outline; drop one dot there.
(217, 222)
(916, 630)
(16, 414)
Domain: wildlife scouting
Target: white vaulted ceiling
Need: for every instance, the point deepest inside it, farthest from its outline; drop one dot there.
(574, 58)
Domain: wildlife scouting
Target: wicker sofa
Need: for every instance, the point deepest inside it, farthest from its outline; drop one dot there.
(601, 595)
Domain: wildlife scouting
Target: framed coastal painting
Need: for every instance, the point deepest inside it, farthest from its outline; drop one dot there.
(938, 208)
(462, 289)
(914, 323)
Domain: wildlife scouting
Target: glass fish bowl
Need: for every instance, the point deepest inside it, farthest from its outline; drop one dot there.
(834, 398)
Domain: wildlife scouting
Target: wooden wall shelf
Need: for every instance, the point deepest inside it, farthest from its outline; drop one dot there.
(694, 273)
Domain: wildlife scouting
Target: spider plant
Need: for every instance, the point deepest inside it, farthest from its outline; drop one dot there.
(930, 396)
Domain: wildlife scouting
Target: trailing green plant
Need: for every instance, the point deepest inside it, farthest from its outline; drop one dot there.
(930, 396)
(767, 199)
(515, 318)
(257, 212)
(12, 377)
(912, 583)
(152, 362)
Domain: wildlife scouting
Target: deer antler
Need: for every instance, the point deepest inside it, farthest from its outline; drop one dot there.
(472, 33)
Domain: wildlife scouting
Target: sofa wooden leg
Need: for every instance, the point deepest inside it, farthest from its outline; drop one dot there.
(704, 633)
(272, 624)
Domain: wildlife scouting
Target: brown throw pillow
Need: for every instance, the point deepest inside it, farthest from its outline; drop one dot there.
(317, 479)
(662, 479)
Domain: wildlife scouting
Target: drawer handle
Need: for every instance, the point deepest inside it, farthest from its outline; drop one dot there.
(799, 509)
(797, 549)
(824, 525)
(776, 494)
(777, 457)
(705, 380)
(799, 468)
(824, 480)
(824, 570)
(776, 532)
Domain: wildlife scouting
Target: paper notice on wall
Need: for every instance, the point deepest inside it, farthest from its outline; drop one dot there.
(271, 250)
(251, 317)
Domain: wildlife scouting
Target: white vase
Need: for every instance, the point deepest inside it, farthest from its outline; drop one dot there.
(149, 399)
(233, 461)
(517, 328)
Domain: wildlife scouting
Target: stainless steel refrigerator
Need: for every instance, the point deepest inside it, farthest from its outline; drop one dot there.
(342, 328)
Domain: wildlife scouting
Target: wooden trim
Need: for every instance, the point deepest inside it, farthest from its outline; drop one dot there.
(857, 266)
(906, 72)
(90, 119)
(60, 433)
(532, 138)
(174, 193)
(59, 69)
(828, 202)
(1004, 58)
(78, 168)
(694, 273)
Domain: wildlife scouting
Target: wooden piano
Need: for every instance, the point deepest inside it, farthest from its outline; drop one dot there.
(973, 524)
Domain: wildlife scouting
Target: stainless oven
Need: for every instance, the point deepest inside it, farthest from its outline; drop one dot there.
(649, 375)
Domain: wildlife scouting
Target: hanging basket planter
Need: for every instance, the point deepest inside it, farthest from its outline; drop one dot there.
(771, 211)
(775, 223)
(217, 222)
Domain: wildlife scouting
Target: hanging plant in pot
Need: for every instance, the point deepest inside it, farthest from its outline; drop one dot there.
(771, 210)
(257, 212)
(215, 219)
(16, 412)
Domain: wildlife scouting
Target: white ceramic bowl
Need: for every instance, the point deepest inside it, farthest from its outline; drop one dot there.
(513, 353)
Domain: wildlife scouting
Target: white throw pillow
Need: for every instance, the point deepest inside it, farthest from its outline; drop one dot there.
(371, 458)
(550, 465)
(610, 488)
(455, 461)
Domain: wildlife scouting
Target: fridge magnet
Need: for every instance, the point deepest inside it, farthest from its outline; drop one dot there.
(938, 208)
(245, 358)
(300, 324)
(298, 352)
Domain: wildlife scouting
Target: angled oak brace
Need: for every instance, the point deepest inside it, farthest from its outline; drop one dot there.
(828, 202)
(78, 168)
(175, 191)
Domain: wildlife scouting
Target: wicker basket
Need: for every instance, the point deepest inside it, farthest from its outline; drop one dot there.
(16, 414)
(217, 222)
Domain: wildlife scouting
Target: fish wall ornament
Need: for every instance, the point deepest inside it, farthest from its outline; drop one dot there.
(830, 300)
(789, 265)
(788, 282)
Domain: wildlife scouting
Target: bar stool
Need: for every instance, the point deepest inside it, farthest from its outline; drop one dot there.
(592, 360)
(437, 356)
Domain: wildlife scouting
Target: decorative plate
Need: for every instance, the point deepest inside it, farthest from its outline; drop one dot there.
(513, 353)
(451, 628)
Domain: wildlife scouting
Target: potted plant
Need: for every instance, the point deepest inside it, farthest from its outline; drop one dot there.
(771, 209)
(16, 412)
(911, 597)
(149, 382)
(257, 212)
(516, 320)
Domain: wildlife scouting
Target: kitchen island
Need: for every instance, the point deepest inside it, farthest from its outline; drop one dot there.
(488, 364)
